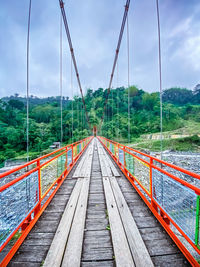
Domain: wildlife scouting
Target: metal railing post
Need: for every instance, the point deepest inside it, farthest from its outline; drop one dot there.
(153, 204)
(39, 187)
(72, 154)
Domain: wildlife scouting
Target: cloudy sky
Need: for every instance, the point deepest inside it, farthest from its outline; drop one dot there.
(94, 26)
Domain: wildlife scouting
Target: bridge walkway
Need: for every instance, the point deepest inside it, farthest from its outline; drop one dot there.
(102, 229)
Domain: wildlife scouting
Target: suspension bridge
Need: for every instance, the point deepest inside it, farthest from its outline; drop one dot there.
(97, 202)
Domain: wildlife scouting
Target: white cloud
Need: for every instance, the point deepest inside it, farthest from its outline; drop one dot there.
(94, 27)
(181, 28)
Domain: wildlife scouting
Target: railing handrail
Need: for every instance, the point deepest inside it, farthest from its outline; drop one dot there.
(161, 190)
(43, 188)
(194, 175)
(2, 175)
(183, 182)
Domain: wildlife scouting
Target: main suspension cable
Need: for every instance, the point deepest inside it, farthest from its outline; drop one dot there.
(27, 83)
(116, 57)
(73, 57)
(160, 79)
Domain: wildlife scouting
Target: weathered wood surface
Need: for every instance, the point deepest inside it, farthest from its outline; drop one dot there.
(72, 255)
(84, 167)
(138, 249)
(122, 251)
(35, 247)
(66, 247)
(97, 244)
(159, 245)
(107, 167)
(97, 249)
(56, 251)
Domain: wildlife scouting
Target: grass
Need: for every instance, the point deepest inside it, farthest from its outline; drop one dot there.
(190, 128)
(108, 227)
(179, 144)
(32, 155)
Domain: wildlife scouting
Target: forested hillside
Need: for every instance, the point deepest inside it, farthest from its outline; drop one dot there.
(179, 107)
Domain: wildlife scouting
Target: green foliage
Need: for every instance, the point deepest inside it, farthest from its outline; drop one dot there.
(178, 96)
(180, 107)
(180, 144)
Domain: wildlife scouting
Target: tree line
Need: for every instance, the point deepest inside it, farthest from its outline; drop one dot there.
(179, 105)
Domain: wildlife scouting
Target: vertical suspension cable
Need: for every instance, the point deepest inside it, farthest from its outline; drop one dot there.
(73, 57)
(81, 121)
(112, 113)
(106, 122)
(108, 117)
(117, 102)
(61, 97)
(78, 112)
(116, 57)
(128, 62)
(82, 117)
(160, 78)
(27, 83)
(72, 101)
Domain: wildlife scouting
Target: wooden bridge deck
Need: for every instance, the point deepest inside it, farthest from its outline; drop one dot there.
(104, 223)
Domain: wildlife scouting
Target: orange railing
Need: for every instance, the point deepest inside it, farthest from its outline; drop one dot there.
(25, 192)
(172, 194)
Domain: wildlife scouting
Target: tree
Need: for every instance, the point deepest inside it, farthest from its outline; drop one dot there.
(149, 100)
(177, 96)
(14, 103)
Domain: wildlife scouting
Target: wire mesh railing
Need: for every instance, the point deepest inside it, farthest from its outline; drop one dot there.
(24, 197)
(16, 202)
(174, 201)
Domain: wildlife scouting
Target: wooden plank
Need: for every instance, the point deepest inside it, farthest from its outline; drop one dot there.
(105, 158)
(108, 169)
(72, 255)
(112, 166)
(96, 264)
(96, 224)
(79, 170)
(55, 253)
(86, 168)
(173, 260)
(100, 254)
(89, 162)
(103, 167)
(79, 167)
(122, 251)
(24, 264)
(82, 166)
(137, 246)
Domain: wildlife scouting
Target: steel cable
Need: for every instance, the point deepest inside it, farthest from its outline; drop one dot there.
(116, 57)
(61, 97)
(160, 78)
(72, 101)
(27, 83)
(73, 57)
(128, 62)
